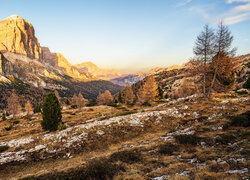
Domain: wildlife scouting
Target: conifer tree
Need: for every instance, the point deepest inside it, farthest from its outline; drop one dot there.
(149, 91)
(128, 95)
(51, 112)
(3, 116)
(28, 108)
(80, 100)
(13, 105)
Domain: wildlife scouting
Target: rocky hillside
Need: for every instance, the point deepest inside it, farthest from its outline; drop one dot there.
(171, 80)
(22, 59)
(90, 68)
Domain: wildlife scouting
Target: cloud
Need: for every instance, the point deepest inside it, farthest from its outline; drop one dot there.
(240, 12)
(236, 18)
(184, 3)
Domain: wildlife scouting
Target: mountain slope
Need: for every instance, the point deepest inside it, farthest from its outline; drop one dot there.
(22, 58)
(91, 68)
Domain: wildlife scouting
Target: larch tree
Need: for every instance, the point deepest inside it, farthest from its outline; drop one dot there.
(28, 108)
(128, 95)
(74, 99)
(223, 43)
(80, 100)
(204, 50)
(104, 98)
(101, 99)
(108, 97)
(148, 92)
(13, 104)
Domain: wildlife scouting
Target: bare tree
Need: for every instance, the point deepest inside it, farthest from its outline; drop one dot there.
(223, 42)
(204, 50)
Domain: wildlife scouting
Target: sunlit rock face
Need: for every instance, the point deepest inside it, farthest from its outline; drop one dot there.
(18, 36)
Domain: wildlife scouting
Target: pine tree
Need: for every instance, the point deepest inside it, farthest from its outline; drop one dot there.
(100, 99)
(57, 95)
(51, 113)
(67, 102)
(160, 92)
(74, 99)
(28, 108)
(149, 91)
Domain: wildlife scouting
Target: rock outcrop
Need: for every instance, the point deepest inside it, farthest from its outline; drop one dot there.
(18, 36)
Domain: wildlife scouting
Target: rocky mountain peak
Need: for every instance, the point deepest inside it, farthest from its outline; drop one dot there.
(18, 36)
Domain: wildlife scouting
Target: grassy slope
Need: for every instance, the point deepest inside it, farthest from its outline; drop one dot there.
(217, 148)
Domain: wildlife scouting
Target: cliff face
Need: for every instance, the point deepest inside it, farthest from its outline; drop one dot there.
(17, 35)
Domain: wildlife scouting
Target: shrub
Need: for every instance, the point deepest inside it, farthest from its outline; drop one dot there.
(74, 106)
(67, 102)
(241, 120)
(126, 156)
(112, 104)
(160, 92)
(9, 128)
(3, 116)
(51, 113)
(37, 109)
(247, 84)
(187, 139)
(3, 148)
(146, 104)
(168, 148)
(224, 139)
(62, 127)
(126, 113)
(91, 104)
(16, 122)
(100, 169)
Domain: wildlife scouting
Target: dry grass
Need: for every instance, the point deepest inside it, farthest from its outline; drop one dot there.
(137, 149)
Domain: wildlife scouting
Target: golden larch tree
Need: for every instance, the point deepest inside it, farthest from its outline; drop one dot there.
(104, 98)
(148, 92)
(13, 104)
(80, 100)
(128, 95)
(28, 108)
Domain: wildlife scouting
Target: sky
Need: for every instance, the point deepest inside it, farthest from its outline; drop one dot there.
(129, 35)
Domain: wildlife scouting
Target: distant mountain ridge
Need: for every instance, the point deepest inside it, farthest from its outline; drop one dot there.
(91, 68)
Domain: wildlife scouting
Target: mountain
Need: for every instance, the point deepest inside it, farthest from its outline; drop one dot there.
(91, 68)
(134, 78)
(25, 65)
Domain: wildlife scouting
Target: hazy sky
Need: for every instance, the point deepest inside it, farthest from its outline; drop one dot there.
(130, 35)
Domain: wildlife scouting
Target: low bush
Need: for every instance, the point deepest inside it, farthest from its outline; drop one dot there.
(187, 139)
(112, 104)
(225, 139)
(168, 148)
(126, 113)
(62, 127)
(16, 122)
(3, 148)
(9, 127)
(74, 106)
(91, 104)
(100, 169)
(241, 119)
(126, 156)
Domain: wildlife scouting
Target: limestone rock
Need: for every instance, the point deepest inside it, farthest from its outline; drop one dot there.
(18, 35)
